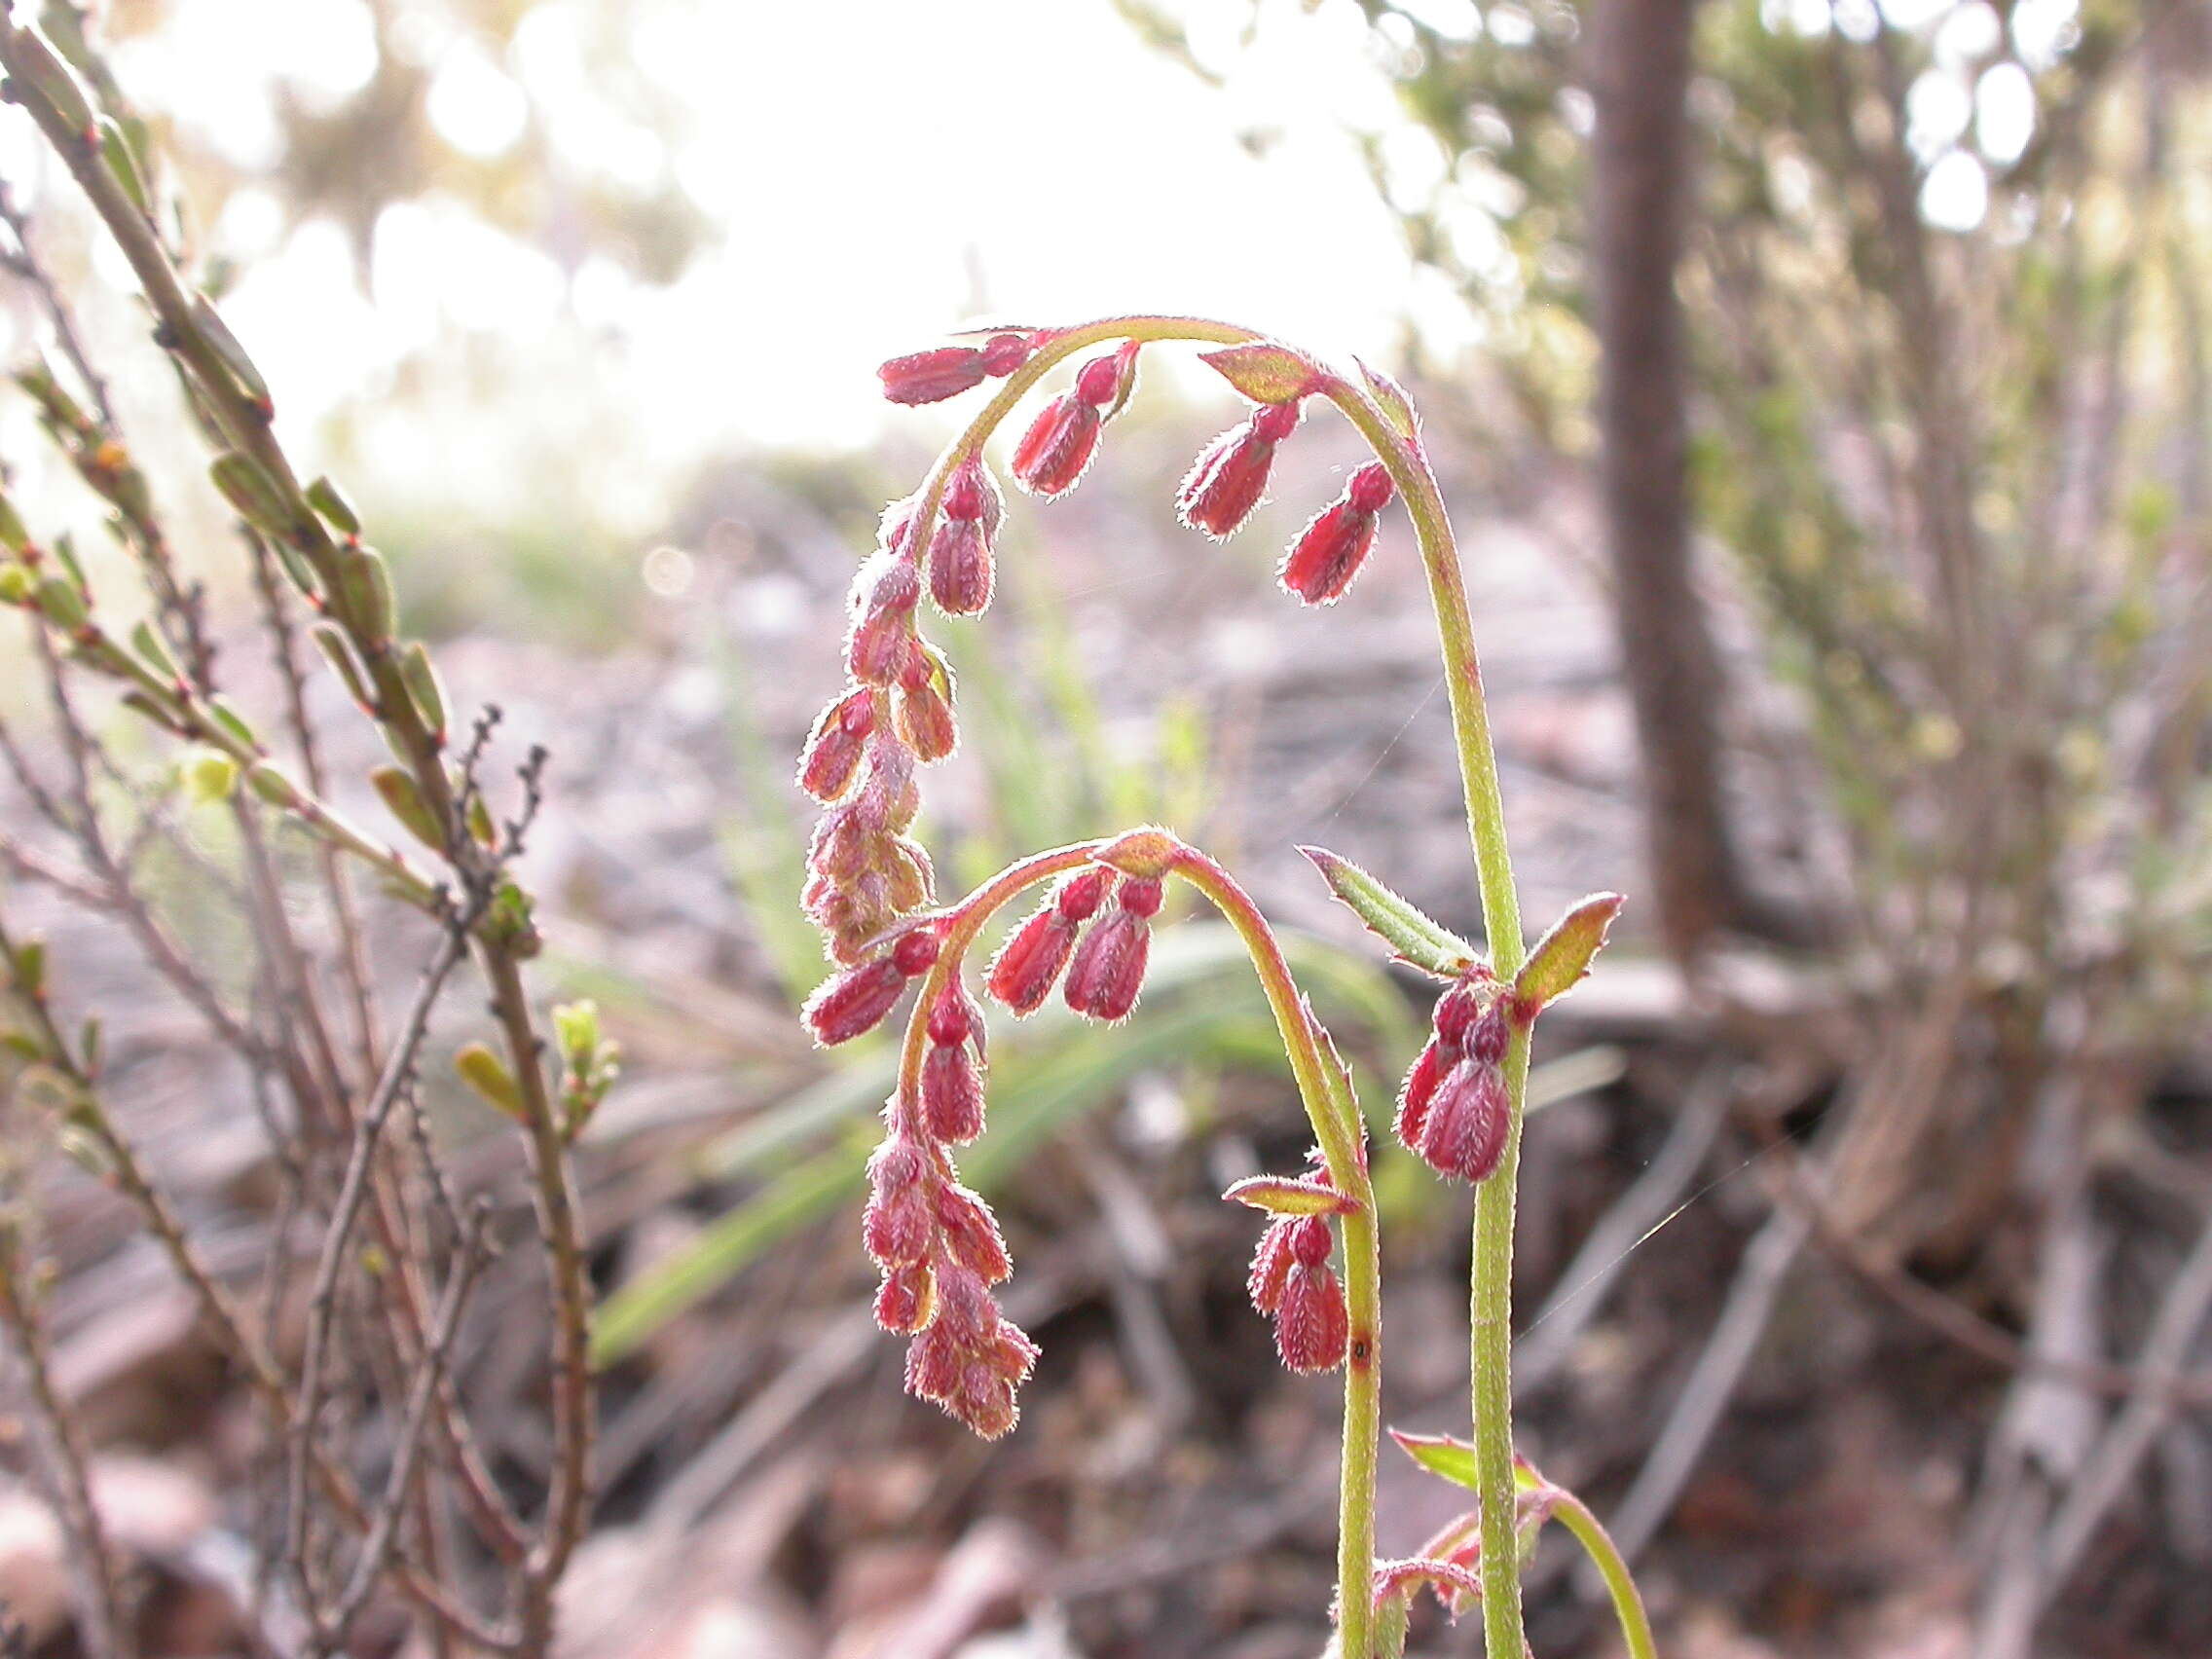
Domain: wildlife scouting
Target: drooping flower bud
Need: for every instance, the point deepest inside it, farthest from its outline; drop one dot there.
(1415, 1092)
(972, 1234)
(1272, 1262)
(933, 375)
(952, 1093)
(1336, 541)
(855, 1001)
(959, 564)
(1057, 450)
(1313, 1324)
(1003, 353)
(1028, 965)
(924, 706)
(1108, 967)
(833, 750)
(1467, 1121)
(882, 635)
(907, 1298)
(916, 951)
(896, 1225)
(1230, 474)
(1079, 896)
(1106, 381)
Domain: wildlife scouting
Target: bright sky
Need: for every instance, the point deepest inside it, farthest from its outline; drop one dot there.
(875, 168)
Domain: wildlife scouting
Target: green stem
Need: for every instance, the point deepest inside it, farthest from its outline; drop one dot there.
(1628, 1605)
(1337, 1123)
(1491, 1291)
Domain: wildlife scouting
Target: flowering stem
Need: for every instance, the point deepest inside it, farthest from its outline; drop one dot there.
(1337, 1123)
(1490, 1293)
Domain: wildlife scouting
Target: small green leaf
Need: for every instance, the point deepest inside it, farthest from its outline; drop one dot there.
(488, 1075)
(13, 535)
(1442, 1456)
(217, 333)
(152, 651)
(1289, 1195)
(1562, 956)
(330, 501)
(1265, 372)
(364, 586)
(273, 784)
(1404, 930)
(234, 723)
(115, 150)
(61, 603)
(1390, 398)
(252, 493)
(331, 640)
(425, 687)
(405, 802)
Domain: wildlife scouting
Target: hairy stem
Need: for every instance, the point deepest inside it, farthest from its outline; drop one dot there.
(1628, 1605)
(1329, 1102)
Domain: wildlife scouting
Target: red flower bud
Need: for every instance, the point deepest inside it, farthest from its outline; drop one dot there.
(1454, 1016)
(1272, 1262)
(1230, 473)
(933, 1363)
(960, 547)
(923, 711)
(1310, 1242)
(1108, 967)
(952, 1093)
(1312, 1325)
(1467, 1121)
(1003, 353)
(1028, 965)
(896, 1224)
(972, 1234)
(1079, 896)
(907, 1298)
(1487, 1037)
(952, 1018)
(855, 1001)
(1106, 381)
(1414, 1094)
(1057, 451)
(833, 750)
(931, 377)
(884, 595)
(916, 951)
(1140, 894)
(1328, 553)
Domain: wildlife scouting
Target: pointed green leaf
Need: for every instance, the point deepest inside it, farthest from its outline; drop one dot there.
(1264, 372)
(1390, 398)
(1391, 919)
(1289, 1195)
(1562, 956)
(1442, 1456)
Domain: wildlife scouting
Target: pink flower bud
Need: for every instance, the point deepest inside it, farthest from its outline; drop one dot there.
(855, 1001)
(1230, 474)
(885, 592)
(1467, 1121)
(907, 1298)
(966, 1313)
(1272, 1262)
(923, 712)
(1414, 1094)
(1028, 965)
(952, 1093)
(1328, 553)
(933, 1364)
(1487, 1037)
(833, 750)
(896, 1224)
(1140, 894)
(1454, 1016)
(1106, 381)
(1003, 353)
(931, 377)
(972, 1234)
(960, 562)
(1312, 1325)
(895, 529)
(952, 1018)
(1107, 969)
(918, 950)
(1079, 896)
(1310, 1242)
(1057, 451)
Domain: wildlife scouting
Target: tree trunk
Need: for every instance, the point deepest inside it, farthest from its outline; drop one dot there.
(1640, 72)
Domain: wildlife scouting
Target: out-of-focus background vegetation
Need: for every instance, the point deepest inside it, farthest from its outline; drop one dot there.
(1822, 394)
